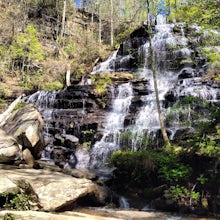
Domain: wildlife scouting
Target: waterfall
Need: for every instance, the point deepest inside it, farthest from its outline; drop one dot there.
(106, 65)
(45, 102)
(161, 19)
(147, 120)
(124, 204)
(113, 126)
(132, 122)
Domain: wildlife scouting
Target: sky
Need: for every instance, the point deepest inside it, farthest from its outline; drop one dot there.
(78, 3)
(162, 7)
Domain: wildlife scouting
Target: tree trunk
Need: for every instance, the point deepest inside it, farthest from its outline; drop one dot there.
(112, 24)
(152, 65)
(68, 83)
(168, 6)
(92, 25)
(176, 6)
(63, 20)
(7, 112)
(100, 25)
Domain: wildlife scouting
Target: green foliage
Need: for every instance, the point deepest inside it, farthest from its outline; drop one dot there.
(70, 49)
(205, 141)
(140, 165)
(25, 53)
(101, 85)
(4, 91)
(26, 47)
(183, 196)
(9, 216)
(205, 144)
(135, 167)
(126, 135)
(16, 200)
(56, 85)
(212, 55)
(19, 106)
(4, 66)
(87, 144)
(201, 179)
(205, 13)
(124, 32)
(2, 101)
(171, 169)
(209, 37)
(186, 60)
(208, 147)
(90, 131)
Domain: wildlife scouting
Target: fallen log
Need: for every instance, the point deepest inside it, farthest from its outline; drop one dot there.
(9, 110)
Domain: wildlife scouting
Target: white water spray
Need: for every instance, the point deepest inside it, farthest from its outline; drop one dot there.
(113, 126)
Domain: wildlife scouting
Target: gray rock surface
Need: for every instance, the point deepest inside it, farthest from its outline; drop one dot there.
(26, 126)
(9, 148)
(54, 190)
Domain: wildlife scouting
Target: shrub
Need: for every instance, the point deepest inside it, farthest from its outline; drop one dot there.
(101, 85)
(171, 170)
(16, 200)
(9, 216)
(138, 167)
(183, 196)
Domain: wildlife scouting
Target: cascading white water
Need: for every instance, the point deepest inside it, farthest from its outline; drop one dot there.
(147, 120)
(44, 101)
(113, 126)
(161, 19)
(124, 204)
(166, 46)
(104, 66)
(142, 122)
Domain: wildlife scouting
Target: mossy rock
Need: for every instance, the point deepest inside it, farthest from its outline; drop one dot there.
(118, 76)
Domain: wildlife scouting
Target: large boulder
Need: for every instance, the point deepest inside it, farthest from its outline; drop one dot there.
(54, 191)
(9, 148)
(26, 126)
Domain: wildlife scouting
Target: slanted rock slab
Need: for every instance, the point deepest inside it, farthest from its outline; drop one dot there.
(54, 190)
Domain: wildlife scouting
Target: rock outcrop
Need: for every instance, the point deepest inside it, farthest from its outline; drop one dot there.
(26, 126)
(9, 148)
(54, 191)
